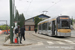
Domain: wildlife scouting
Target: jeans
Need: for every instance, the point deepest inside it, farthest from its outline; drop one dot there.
(22, 35)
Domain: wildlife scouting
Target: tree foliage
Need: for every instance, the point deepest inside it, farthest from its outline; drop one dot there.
(4, 27)
(21, 20)
(73, 20)
(16, 16)
(37, 20)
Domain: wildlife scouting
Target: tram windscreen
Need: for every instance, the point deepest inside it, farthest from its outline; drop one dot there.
(65, 24)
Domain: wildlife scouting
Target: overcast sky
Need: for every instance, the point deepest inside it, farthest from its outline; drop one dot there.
(31, 8)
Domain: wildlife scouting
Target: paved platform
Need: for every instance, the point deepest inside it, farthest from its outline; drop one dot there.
(24, 43)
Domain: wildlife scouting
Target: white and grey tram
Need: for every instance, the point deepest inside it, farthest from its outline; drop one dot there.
(60, 26)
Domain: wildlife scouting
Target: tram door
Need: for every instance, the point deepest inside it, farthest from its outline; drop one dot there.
(53, 28)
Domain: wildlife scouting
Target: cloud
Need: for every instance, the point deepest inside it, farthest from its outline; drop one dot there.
(4, 10)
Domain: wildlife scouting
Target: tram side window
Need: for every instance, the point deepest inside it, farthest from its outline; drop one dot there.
(42, 26)
(49, 28)
(45, 26)
(39, 27)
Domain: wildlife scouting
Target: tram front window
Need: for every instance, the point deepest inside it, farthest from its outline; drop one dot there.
(65, 24)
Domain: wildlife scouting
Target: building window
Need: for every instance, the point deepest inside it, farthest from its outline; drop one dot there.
(26, 26)
(31, 26)
(33, 19)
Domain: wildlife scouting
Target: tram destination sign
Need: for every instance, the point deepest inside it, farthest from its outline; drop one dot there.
(64, 18)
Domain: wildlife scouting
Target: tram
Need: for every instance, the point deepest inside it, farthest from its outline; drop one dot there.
(59, 26)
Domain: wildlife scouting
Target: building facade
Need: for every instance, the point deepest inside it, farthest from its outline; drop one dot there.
(30, 23)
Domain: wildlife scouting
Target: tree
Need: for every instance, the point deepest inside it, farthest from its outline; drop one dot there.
(21, 20)
(37, 20)
(16, 16)
(4, 27)
(73, 20)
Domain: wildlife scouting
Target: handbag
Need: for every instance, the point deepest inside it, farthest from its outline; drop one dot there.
(17, 35)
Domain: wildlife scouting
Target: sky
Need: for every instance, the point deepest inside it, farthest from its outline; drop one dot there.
(31, 8)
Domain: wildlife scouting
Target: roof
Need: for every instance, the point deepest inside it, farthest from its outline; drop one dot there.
(44, 15)
(29, 23)
(39, 15)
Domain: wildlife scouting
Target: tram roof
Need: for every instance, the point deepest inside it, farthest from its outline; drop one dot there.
(51, 19)
(47, 20)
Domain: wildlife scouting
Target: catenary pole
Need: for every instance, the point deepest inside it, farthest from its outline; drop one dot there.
(11, 25)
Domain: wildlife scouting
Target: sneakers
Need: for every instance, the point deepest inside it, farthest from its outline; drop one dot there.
(24, 39)
(20, 42)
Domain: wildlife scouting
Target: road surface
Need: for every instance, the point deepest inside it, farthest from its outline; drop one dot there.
(42, 44)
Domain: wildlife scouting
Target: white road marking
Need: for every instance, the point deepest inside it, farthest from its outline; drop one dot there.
(49, 42)
(39, 43)
(71, 42)
(60, 42)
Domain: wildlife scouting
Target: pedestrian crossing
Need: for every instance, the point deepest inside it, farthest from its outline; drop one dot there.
(50, 42)
(69, 41)
(56, 42)
(60, 42)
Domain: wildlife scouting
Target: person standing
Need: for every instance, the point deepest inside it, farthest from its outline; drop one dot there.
(35, 30)
(17, 32)
(22, 33)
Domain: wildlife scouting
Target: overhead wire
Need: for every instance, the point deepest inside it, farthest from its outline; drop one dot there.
(53, 5)
(28, 7)
(44, 10)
